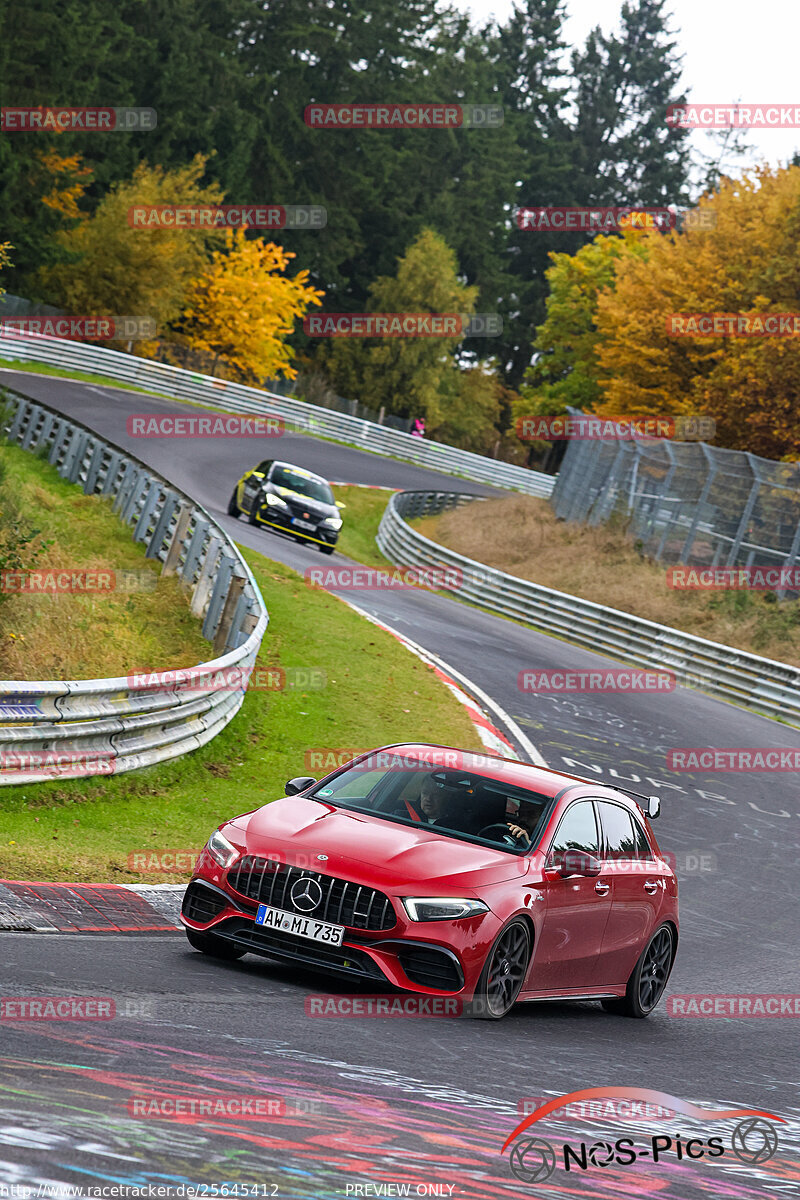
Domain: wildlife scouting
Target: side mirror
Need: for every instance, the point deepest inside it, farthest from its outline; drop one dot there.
(578, 862)
(340, 505)
(653, 807)
(299, 784)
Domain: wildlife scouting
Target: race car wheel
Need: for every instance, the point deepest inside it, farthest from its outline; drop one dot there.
(504, 972)
(648, 978)
(209, 943)
(327, 549)
(233, 507)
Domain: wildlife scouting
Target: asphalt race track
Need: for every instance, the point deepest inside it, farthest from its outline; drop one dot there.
(421, 1101)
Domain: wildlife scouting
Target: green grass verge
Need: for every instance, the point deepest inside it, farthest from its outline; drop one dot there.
(144, 623)
(376, 693)
(362, 516)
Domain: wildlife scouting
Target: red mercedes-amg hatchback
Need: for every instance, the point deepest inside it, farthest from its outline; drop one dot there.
(448, 873)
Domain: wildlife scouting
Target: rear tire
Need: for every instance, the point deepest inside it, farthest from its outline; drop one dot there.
(217, 947)
(504, 972)
(648, 978)
(233, 507)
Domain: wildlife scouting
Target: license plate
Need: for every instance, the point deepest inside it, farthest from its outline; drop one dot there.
(303, 524)
(307, 927)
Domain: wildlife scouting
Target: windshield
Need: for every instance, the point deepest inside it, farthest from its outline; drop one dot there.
(460, 804)
(296, 481)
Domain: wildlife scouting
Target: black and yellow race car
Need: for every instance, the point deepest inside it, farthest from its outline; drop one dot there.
(289, 500)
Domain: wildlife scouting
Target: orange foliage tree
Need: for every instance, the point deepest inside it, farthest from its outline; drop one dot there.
(747, 262)
(243, 307)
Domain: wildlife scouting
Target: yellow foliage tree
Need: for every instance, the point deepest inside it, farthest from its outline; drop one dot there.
(243, 307)
(67, 178)
(5, 261)
(748, 262)
(121, 270)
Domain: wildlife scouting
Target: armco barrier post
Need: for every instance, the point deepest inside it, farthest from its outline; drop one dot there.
(178, 538)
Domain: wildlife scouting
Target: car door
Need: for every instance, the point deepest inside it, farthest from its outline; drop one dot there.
(576, 909)
(251, 485)
(637, 891)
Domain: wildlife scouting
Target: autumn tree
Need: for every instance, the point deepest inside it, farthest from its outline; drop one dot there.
(243, 308)
(410, 376)
(5, 260)
(566, 369)
(146, 271)
(749, 262)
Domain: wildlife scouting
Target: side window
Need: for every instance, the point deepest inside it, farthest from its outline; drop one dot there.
(577, 831)
(264, 467)
(643, 847)
(620, 841)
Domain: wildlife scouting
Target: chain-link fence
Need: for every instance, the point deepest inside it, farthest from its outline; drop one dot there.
(685, 502)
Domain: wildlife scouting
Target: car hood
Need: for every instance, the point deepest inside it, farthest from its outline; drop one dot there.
(317, 508)
(372, 850)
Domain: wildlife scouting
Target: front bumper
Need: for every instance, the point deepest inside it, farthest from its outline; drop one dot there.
(417, 960)
(282, 523)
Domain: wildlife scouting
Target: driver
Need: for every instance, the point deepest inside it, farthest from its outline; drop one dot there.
(517, 823)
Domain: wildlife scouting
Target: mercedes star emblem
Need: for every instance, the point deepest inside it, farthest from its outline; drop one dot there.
(306, 894)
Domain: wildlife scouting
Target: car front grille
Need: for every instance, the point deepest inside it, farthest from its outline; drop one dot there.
(344, 960)
(342, 903)
(431, 968)
(201, 904)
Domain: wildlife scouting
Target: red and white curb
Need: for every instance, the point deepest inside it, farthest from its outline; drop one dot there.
(474, 699)
(27, 907)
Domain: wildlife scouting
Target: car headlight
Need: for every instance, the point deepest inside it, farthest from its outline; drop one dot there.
(275, 501)
(442, 908)
(332, 523)
(221, 849)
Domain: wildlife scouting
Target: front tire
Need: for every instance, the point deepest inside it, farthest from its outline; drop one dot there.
(648, 978)
(217, 947)
(504, 972)
(233, 507)
(251, 516)
(327, 549)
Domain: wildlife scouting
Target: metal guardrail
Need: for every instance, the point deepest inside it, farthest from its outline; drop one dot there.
(104, 726)
(761, 684)
(304, 418)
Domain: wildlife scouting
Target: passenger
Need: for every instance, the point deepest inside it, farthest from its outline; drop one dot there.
(438, 803)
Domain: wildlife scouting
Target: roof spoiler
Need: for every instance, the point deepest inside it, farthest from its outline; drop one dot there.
(650, 805)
